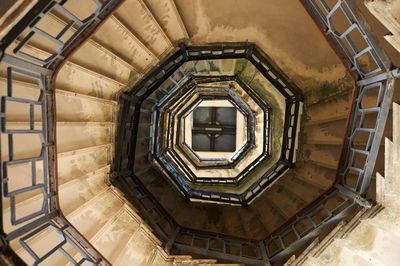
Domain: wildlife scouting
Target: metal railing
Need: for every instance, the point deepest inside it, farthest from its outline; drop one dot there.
(25, 64)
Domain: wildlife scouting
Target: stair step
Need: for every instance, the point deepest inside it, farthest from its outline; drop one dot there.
(95, 148)
(146, 28)
(284, 201)
(323, 155)
(69, 168)
(271, 216)
(168, 18)
(300, 188)
(115, 234)
(126, 45)
(72, 135)
(80, 80)
(234, 224)
(253, 225)
(138, 248)
(72, 108)
(81, 163)
(15, 182)
(42, 243)
(327, 133)
(31, 91)
(20, 149)
(338, 108)
(333, 132)
(315, 175)
(22, 209)
(77, 78)
(79, 193)
(92, 216)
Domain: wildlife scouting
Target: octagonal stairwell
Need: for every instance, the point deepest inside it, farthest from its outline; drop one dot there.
(120, 52)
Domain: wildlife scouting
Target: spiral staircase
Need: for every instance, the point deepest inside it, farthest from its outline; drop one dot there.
(79, 80)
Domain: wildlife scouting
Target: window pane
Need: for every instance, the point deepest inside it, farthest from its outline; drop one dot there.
(226, 116)
(202, 115)
(201, 142)
(225, 143)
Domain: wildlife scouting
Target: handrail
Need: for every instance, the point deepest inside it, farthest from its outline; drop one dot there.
(44, 71)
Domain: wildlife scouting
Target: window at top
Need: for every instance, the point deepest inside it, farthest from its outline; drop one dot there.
(214, 129)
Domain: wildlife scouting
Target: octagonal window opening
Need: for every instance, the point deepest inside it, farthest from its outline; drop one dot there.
(216, 129)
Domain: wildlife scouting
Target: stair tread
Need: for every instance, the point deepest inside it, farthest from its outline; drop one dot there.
(128, 46)
(147, 27)
(115, 234)
(169, 19)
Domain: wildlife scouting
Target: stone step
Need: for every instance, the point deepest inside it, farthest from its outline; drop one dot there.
(77, 163)
(79, 109)
(315, 174)
(337, 108)
(147, 28)
(71, 136)
(31, 91)
(125, 44)
(270, 215)
(284, 201)
(252, 223)
(40, 243)
(75, 135)
(80, 193)
(22, 208)
(300, 187)
(333, 132)
(140, 248)
(168, 18)
(115, 234)
(91, 217)
(322, 155)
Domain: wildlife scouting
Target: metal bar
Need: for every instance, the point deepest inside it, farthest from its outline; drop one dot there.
(220, 255)
(30, 226)
(325, 225)
(381, 121)
(15, 61)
